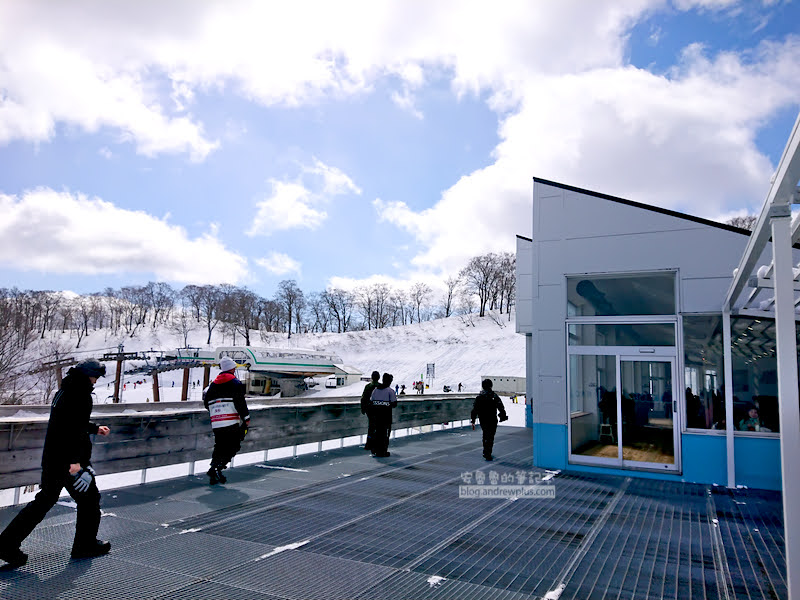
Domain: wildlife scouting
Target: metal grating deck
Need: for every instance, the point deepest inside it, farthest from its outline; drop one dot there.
(343, 525)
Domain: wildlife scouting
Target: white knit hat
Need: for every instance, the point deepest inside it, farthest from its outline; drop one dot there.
(226, 363)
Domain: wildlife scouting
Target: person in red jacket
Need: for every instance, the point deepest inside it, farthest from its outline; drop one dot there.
(66, 463)
(486, 407)
(230, 419)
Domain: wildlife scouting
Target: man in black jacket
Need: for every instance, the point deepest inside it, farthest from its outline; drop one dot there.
(365, 406)
(486, 406)
(66, 463)
(230, 418)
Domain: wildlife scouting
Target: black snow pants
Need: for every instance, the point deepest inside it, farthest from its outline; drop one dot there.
(227, 442)
(379, 440)
(489, 428)
(53, 481)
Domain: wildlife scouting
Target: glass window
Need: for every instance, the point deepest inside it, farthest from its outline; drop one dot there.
(702, 366)
(621, 334)
(599, 295)
(593, 405)
(755, 375)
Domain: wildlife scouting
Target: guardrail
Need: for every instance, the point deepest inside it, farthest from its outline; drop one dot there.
(144, 436)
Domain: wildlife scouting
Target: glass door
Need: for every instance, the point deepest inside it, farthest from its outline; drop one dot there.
(622, 410)
(646, 408)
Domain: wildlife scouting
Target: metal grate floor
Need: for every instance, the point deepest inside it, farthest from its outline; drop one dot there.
(341, 524)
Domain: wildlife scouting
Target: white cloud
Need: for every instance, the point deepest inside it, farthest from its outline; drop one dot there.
(289, 207)
(96, 66)
(106, 153)
(278, 263)
(334, 181)
(569, 107)
(298, 204)
(684, 141)
(70, 233)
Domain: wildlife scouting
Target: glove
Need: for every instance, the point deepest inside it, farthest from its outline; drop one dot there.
(245, 426)
(503, 418)
(83, 479)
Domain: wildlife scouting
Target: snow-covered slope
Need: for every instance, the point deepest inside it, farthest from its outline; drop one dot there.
(462, 348)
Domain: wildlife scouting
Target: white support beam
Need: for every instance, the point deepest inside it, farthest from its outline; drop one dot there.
(767, 284)
(728, 378)
(778, 203)
(788, 398)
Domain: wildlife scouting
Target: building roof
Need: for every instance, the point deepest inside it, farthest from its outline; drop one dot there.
(658, 209)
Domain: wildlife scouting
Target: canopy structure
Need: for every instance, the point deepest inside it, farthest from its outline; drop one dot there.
(773, 291)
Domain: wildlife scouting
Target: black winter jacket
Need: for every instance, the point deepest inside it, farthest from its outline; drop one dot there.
(67, 440)
(486, 407)
(382, 401)
(366, 395)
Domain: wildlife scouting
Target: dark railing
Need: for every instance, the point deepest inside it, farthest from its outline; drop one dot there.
(157, 435)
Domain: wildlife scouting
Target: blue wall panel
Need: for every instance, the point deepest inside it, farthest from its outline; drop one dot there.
(704, 458)
(549, 446)
(758, 462)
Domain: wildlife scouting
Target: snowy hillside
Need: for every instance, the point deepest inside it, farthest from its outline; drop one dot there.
(462, 349)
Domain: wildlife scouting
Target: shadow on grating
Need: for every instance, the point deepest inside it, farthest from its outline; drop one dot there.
(56, 576)
(295, 574)
(208, 590)
(657, 543)
(604, 537)
(523, 547)
(193, 553)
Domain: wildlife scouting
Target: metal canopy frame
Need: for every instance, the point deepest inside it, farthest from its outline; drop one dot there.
(779, 279)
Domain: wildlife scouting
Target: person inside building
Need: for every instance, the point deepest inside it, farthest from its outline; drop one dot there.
(382, 401)
(66, 463)
(365, 405)
(752, 422)
(230, 418)
(486, 407)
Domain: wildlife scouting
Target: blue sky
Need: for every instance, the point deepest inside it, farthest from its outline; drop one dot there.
(339, 144)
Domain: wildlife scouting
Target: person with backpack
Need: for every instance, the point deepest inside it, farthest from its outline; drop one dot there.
(66, 463)
(382, 401)
(486, 406)
(230, 418)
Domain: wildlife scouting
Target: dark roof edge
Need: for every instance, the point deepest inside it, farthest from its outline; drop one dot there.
(658, 209)
(522, 237)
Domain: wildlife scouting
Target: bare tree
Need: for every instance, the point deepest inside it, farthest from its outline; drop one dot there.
(289, 297)
(479, 278)
(192, 294)
(208, 300)
(161, 298)
(48, 303)
(341, 303)
(419, 295)
(746, 222)
(507, 279)
(319, 311)
(363, 300)
(268, 315)
(448, 301)
(380, 293)
(397, 305)
(182, 323)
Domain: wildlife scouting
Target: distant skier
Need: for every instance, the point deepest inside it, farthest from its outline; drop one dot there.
(382, 401)
(486, 406)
